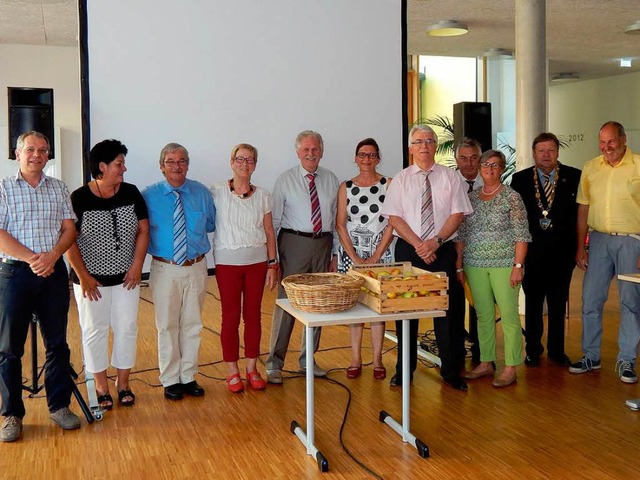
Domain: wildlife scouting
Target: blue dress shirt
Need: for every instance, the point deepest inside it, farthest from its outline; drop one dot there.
(200, 214)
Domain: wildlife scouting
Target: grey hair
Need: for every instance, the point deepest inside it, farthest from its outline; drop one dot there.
(469, 143)
(172, 147)
(423, 128)
(22, 138)
(502, 161)
(309, 133)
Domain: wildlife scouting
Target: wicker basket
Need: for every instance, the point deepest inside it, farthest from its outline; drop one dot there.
(322, 292)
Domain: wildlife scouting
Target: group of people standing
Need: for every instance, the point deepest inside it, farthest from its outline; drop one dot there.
(466, 223)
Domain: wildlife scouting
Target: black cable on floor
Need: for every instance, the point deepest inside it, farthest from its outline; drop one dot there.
(344, 422)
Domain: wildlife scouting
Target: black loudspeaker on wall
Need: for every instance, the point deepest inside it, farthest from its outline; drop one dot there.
(473, 120)
(30, 109)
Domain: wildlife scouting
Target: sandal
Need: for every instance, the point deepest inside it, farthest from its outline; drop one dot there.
(126, 398)
(256, 381)
(105, 401)
(237, 386)
(354, 372)
(379, 373)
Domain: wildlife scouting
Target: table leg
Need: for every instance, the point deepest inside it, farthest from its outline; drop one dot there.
(307, 438)
(403, 430)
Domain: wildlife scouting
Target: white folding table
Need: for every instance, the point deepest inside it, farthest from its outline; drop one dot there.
(357, 314)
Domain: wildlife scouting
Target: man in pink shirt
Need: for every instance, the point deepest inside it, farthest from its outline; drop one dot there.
(425, 204)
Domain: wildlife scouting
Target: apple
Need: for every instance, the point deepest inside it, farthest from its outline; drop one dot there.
(407, 294)
(392, 295)
(371, 273)
(396, 271)
(424, 277)
(383, 273)
(423, 293)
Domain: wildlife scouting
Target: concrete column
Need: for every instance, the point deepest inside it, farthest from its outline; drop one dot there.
(531, 76)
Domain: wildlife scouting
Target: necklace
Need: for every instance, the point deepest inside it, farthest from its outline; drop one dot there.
(492, 191)
(544, 203)
(241, 195)
(100, 192)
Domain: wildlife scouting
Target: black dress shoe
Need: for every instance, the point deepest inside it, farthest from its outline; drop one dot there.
(396, 380)
(173, 392)
(530, 361)
(560, 360)
(193, 389)
(457, 383)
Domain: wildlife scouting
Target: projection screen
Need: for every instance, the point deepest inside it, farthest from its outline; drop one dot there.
(209, 74)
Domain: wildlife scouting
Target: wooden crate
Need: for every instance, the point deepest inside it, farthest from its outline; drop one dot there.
(386, 294)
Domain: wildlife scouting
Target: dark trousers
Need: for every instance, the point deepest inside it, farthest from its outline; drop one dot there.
(473, 334)
(548, 279)
(449, 330)
(23, 293)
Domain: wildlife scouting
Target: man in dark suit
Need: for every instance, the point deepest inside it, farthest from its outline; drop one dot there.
(549, 191)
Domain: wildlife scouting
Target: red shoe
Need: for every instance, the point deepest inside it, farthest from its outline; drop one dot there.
(237, 387)
(379, 373)
(256, 381)
(354, 372)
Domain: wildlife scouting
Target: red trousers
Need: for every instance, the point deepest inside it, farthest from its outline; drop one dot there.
(241, 288)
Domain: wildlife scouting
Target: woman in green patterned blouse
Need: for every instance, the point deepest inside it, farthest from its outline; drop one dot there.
(491, 249)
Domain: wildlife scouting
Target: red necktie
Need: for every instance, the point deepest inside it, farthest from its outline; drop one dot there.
(426, 212)
(316, 215)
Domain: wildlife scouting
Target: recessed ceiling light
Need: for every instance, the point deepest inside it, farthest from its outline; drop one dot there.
(625, 62)
(633, 29)
(497, 52)
(565, 77)
(447, 28)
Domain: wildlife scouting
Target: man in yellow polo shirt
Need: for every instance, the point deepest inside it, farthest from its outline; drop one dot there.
(609, 205)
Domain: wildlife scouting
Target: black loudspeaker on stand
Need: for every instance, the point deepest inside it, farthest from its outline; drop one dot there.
(36, 387)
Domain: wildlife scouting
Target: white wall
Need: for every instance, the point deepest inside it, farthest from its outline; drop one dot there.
(46, 67)
(578, 109)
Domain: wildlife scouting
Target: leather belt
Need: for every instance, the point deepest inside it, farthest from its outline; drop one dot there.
(307, 234)
(187, 263)
(633, 235)
(17, 263)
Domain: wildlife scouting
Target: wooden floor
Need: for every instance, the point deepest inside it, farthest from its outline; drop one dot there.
(551, 425)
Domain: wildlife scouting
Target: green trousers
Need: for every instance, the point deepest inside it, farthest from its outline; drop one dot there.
(491, 286)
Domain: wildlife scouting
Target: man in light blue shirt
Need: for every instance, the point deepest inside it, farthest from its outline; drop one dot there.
(181, 213)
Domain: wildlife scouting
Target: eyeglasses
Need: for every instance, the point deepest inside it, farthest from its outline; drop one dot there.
(173, 163)
(32, 150)
(490, 165)
(364, 155)
(427, 141)
(247, 160)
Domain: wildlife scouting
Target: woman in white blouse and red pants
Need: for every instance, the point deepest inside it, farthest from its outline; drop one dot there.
(245, 255)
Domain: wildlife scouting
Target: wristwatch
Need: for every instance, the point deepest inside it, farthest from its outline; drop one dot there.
(440, 240)
(517, 265)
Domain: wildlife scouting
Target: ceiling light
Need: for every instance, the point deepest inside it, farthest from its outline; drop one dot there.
(565, 77)
(497, 52)
(447, 28)
(625, 62)
(633, 29)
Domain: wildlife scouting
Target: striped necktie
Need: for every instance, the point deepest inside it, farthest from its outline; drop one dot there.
(470, 182)
(426, 212)
(547, 186)
(316, 214)
(179, 231)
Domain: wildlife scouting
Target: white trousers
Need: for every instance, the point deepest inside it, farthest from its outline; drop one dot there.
(178, 296)
(118, 310)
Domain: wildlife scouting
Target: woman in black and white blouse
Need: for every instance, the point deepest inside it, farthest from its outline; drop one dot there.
(113, 234)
